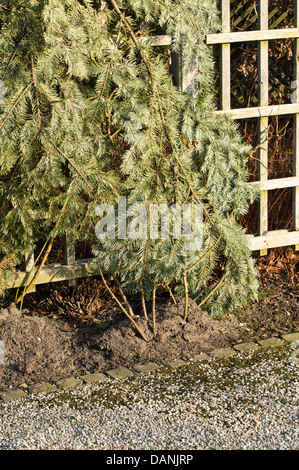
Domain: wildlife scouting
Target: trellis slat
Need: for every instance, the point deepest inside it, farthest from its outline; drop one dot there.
(274, 239)
(244, 36)
(279, 183)
(261, 111)
(56, 273)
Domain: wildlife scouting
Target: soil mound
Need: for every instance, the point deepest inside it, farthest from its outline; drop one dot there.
(34, 349)
(41, 349)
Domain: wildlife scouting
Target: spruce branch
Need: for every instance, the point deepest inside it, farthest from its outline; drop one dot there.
(204, 256)
(73, 165)
(15, 104)
(50, 244)
(12, 57)
(145, 60)
(108, 71)
(7, 265)
(111, 123)
(36, 93)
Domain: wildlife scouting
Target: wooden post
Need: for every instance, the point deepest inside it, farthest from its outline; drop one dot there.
(296, 126)
(176, 69)
(225, 60)
(69, 256)
(187, 83)
(263, 69)
(29, 263)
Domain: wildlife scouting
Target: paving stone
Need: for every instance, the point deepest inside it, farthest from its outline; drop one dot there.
(177, 363)
(270, 342)
(120, 373)
(13, 395)
(291, 337)
(94, 378)
(44, 387)
(144, 368)
(223, 352)
(68, 383)
(246, 347)
(201, 357)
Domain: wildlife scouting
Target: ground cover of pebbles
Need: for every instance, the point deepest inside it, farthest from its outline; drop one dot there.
(239, 403)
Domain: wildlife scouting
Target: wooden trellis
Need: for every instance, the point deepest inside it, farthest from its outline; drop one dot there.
(264, 239)
(73, 269)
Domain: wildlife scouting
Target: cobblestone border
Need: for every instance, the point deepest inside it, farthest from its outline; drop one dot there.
(70, 383)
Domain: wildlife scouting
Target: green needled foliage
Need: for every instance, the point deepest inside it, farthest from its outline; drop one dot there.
(180, 152)
(91, 114)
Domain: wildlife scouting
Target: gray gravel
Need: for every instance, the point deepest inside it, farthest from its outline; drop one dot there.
(233, 404)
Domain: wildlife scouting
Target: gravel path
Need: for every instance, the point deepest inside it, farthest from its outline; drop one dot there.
(233, 404)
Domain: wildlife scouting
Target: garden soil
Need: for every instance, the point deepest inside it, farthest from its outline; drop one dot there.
(43, 347)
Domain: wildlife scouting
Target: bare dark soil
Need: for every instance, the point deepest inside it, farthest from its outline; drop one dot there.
(56, 336)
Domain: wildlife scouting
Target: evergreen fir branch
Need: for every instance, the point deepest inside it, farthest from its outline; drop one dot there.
(108, 71)
(7, 267)
(101, 119)
(74, 166)
(146, 62)
(15, 104)
(12, 58)
(203, 256)
(36, 93)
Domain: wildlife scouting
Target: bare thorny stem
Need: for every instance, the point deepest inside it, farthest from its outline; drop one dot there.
(143, 303)
(154, 312)
(186, 294)
(122, 307)
(212, 291)
(170, 293)
(126, 302)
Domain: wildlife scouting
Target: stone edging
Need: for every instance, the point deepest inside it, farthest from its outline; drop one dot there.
(71, 383)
